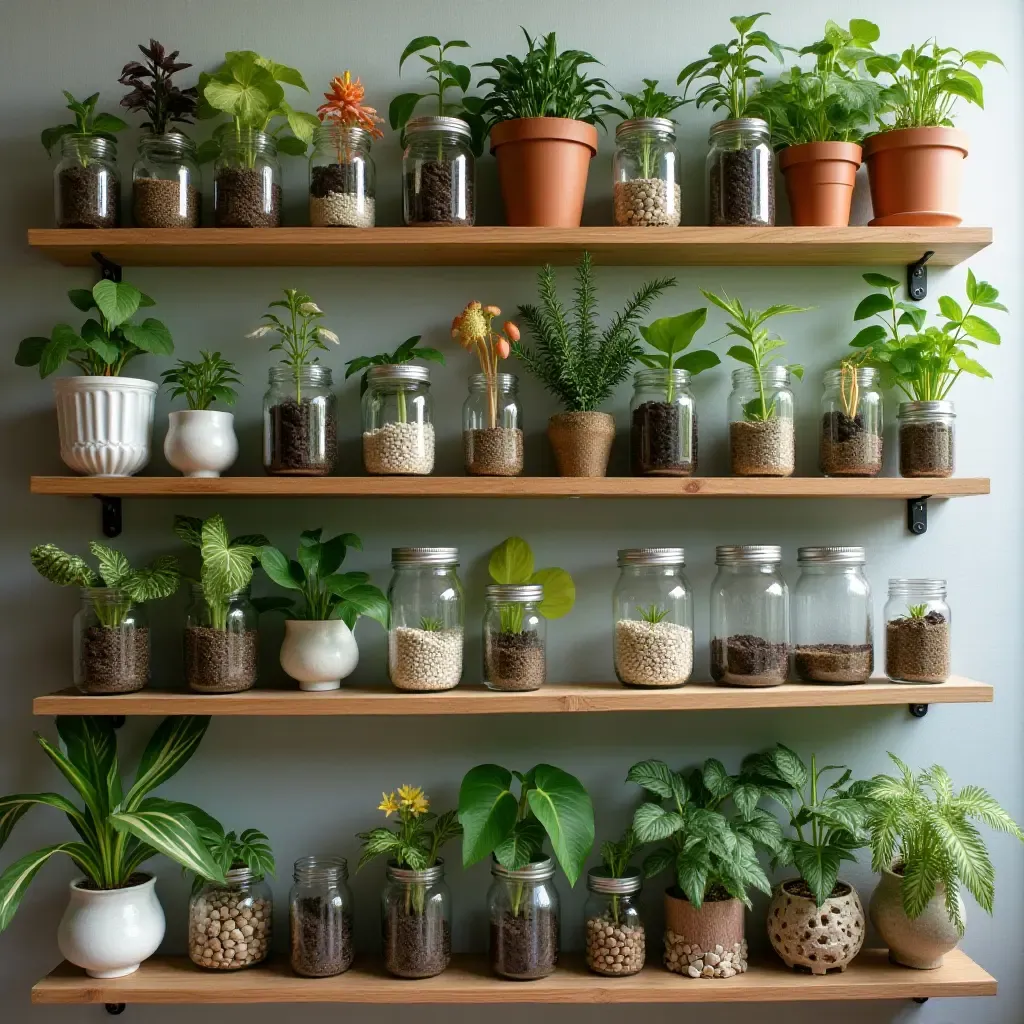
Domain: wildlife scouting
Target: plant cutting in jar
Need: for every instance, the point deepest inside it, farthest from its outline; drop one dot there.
(87, 123)
(153, 93)
(511, 562)
(250, 849)
(409, 350)
(651, 103)
(411, 843)
(615, 940)
(669, 337)
(616, 858)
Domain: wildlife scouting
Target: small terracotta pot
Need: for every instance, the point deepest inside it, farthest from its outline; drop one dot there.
(819, 182)
(582, 442)
(915, 176)
(822, 939)
(709, 937)
(542, 165)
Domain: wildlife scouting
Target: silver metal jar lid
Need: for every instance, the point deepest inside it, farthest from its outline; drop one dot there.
(598, 880)
(424, 556)
(739, 124)
(438, 124)
(926, 409)
(537, 871)
(652, 556)
(399, 371)
(830, 556)
(649, 124)
(747, 554)
(522, 592)
(902, 587)
(425, 876)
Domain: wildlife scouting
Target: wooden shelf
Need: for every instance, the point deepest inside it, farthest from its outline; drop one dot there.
(503, 246)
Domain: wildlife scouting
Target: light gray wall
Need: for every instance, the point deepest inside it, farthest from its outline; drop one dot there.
(313, 784)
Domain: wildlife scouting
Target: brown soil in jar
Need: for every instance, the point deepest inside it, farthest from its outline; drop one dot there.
(834, 663)
(238, 936)
(432, 200)
(493, 451)
(657, 443)
(220, 660)
(735, 188)
(240, 200)
(847, 447)
(614, 949)
(295, 448)
(763, 448)
(321, 938)
(926, 449)
(514, 661)
(917, 650)
(84, 192)
(524, 946)
(156, 203)
(416, 945)
(114, 659)
(645, 203)
(746, 660)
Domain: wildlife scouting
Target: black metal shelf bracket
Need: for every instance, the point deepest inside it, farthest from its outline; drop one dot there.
(920, 1000)
(917, 515)
(114, 1008)
(918, 710)
(110, 511)
(917, 277)
(109, 270)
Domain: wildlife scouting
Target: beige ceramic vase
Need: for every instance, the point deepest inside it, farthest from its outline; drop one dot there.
(704, 943)
(822, 939)
(581, 442)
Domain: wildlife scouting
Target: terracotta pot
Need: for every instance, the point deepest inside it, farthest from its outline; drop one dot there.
(582, 442)
(709, 937)
(915, 176)
(542, 165)
(819, 182)
(822, 939)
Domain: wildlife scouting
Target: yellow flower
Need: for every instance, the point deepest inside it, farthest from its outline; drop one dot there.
(472, 325)
(413, 800)
(419, 805)
(388, 804)
(409, 793)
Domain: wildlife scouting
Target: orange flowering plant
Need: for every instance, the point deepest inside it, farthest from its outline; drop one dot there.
(473, 331)
(345, 108)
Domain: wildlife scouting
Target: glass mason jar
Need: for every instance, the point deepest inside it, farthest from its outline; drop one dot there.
(917, 625)
(851, 423)
(320, 917)
(86, 183)
(438, 172)
(416, 920)
(425, 636)
(166, 182)
(246, 180)
(645, 169)
(663, 424)
(514, 637)
(300, 433)
(342, 178)
(398, 432)
(832, 635)
(221, 642)
(614, 941)
(525, 917)
(749, 616)
(927, 439)
(229, 925)
(492, 426)
(761, 436)
(111, 642)
(653, 616)
(740, 174)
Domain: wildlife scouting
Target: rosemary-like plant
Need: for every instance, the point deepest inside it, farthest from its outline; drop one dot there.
(204, 382)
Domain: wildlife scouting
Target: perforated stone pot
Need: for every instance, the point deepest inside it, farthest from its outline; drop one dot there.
(820, 939)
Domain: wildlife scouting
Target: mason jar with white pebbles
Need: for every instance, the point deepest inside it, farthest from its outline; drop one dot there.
(425, 638)
(614, 939)
(398, 435)
(645, 169)
(229, 925)
(342, 178)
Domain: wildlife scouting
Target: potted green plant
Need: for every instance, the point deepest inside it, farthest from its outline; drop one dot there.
(581, 365)
(114, 920)
(511, 830)
(616, 943)
(925, 847)
(104, 420)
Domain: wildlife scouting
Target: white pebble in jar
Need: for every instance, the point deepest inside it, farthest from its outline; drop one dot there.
(399, 449)
(424, 659)
(653, 653)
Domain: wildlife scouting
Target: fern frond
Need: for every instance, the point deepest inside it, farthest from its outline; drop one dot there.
(964, 846)
(975, 802)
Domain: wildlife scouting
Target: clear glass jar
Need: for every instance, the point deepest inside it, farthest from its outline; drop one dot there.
(761, 435)
(525, 917)
(832, 635)
(246, 180)
(398, 429)
(166, 182)
(663, 424)
(320, 917)
(917, 626)
(492, 426)
(645, 169)
(342, 178)
(740, 174)
(652, 607)
(749, 616)
(86, 183)
(438, 173)
(221, 642)
(111, 642)
(927, 439)
(613, 930)
(851, 423)
(300, 432)
(229, 925)
(515, 635)
(427, 602)
(416, 919)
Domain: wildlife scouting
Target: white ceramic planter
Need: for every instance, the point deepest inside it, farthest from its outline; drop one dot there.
(110, 932)
(105, 423)
(201, 442)
(318, 654)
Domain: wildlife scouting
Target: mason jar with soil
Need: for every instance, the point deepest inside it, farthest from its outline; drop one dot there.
(615, 942)
(166, 182)
(229, 925)
(761, 434)
(86, 183)
(398, 429)
(342, 178)
(514, 637)
(645, 170)
(525, 917)
(740, 174)
(320, 917)
(663, 424)
(300, 434)
(917, 631)
(438, 173)
(221, 642)
(111, 642)
(246, 180)
(851, 423)
(492, 426)
(416, 921)
(927, 439)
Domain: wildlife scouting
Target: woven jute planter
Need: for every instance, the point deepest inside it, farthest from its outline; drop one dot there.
(581, 442)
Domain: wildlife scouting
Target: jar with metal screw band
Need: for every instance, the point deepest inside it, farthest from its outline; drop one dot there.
(416, 916)
(645, 169)
(525, 916)
(320, 917)
(917, 631)
(398, 432)
(927, 439)
(514, 637)
(615, 942)
(740, 174)
(439, 172)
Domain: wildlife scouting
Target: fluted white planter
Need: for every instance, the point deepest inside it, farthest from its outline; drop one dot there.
(105, 423)
(201, 442)
(318, 654)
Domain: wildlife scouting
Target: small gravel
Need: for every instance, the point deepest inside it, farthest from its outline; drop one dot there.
(614, 948)
(647, 202)
(747, 660)
(405, 449)
(493, 451)
(228, 930)
(423, 659)
(833, 663)
(653, 653)
(514, 661)
(342, 210)
(765, 448)
(692, 961)
(917, 650)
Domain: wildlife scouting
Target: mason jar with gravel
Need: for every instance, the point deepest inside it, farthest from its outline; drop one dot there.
(832, 635)
(492, 426)
(663, 424)
(246, 180)
(851, 423)
(927, 439)
(425, 636)
(438, 173)
(749, 616)
(229, 925)
(342, 178)
(86, 183)
(416, 919)
(300, 433)
(111, 642)
(740, 174)
(653, 618)
(917, 630)
(761, 435)
(514, 637)
(221, 642)
(645, 169)
(166, 182)
(525, 916)
(614, 939)
(320, 917)
(398, 432)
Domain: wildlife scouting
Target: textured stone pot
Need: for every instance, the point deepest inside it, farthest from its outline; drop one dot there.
(822, 939)
(707, 942)
(581, 442)
(318, 654)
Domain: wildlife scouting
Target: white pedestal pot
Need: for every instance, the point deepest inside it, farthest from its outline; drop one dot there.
(201, 442)
(110, 932)
(318, 654)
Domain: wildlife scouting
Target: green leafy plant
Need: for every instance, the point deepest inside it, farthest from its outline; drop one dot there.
(405, 353)
(511, 562)
(917, 611)
(203, 383)
(615, 861)
(429, 625)
(152, 91)
(653, 613)
(87, 124)
(652, 102)
(119, 828)
(578, 364)
(249, 850)
(105, 346)
(671, 335)
(922, 829)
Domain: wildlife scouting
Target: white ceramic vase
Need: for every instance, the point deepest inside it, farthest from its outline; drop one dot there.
(110, 932)
(318, 654)
(201, 442)
(105, 423)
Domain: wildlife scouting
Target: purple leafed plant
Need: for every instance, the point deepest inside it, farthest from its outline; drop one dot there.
(152, 91)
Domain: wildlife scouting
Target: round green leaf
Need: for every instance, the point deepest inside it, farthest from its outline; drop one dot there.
(512, 562)
(559, 592)
(117, 300)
